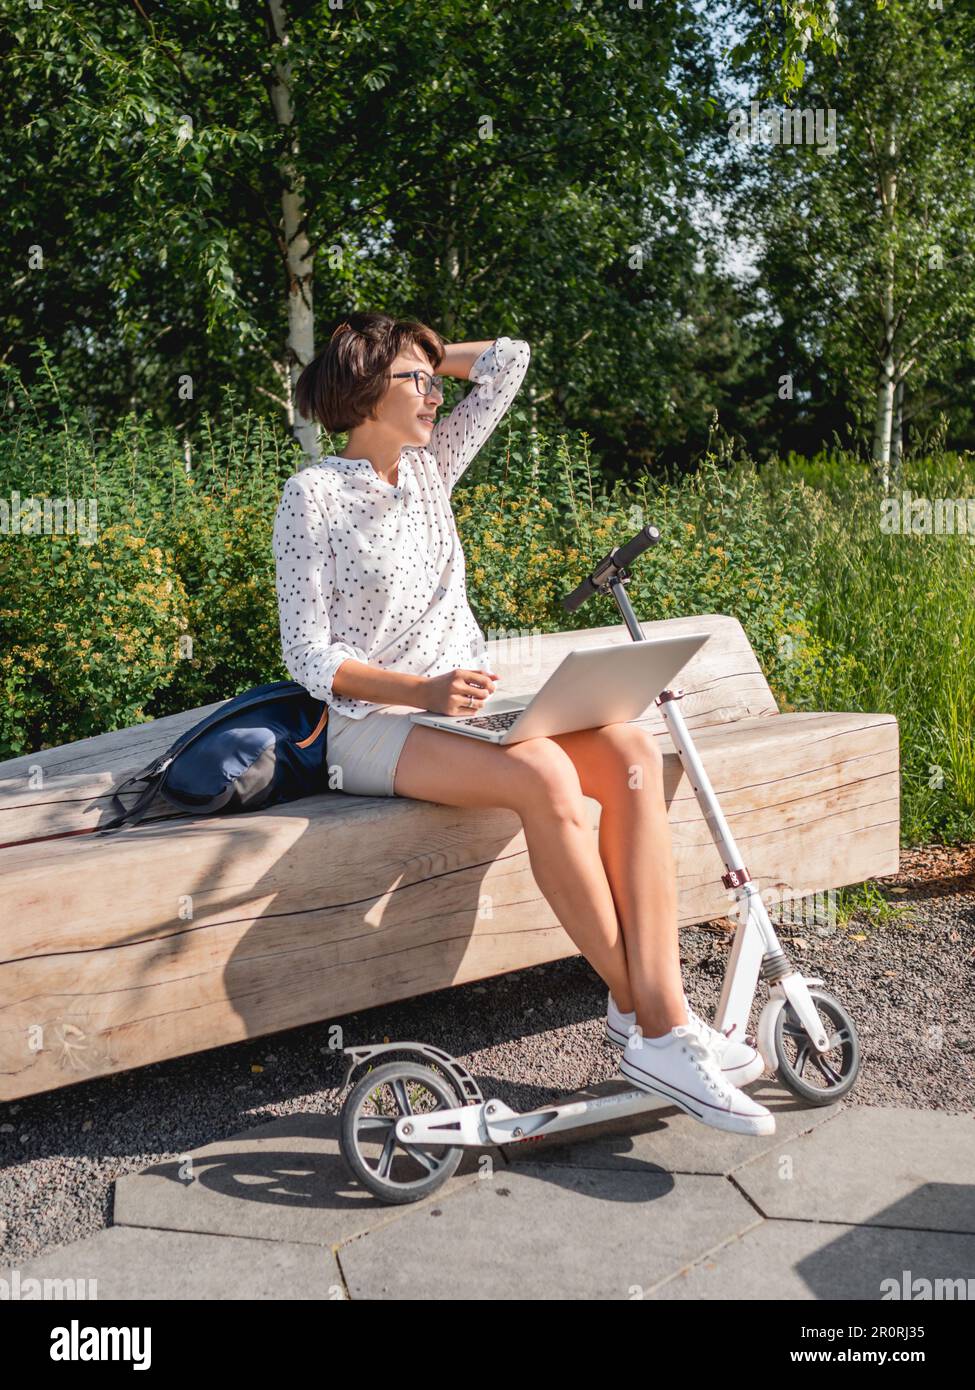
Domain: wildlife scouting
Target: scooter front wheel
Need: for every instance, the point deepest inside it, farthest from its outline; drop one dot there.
(391, 1170)
(819, 1078)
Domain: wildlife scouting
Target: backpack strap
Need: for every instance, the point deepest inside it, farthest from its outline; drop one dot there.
(316, 731)
(134, 813)
(138, 810)
(154, 775)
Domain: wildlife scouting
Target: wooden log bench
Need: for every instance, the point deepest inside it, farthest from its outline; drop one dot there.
(179, 935)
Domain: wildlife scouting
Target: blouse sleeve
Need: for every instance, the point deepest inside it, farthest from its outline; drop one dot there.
(498, 371)
(305, 578)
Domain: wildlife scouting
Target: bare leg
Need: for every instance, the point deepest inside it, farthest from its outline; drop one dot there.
(620, 765)
(567, 867)
(538, 781)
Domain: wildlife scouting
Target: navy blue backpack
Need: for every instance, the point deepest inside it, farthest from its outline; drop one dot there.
(264, 746)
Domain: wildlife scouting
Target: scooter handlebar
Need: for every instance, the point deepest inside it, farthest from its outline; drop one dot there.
(617, 559)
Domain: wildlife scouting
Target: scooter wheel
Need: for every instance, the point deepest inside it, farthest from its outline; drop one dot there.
(391, 1170)
(819, 1078)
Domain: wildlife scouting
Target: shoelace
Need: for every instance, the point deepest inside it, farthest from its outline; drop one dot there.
(713, 1036)
(701, 1052)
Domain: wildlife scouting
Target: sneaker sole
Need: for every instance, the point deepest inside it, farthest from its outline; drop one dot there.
(738, 1076)
(757, 1125)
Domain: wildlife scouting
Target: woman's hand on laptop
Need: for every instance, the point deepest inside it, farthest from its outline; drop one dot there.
(451, 692)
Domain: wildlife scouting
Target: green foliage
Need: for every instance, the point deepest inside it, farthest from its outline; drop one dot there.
(787, 32)
(841, 615)
(864, 252)
(88, 633)
(172, 607)
(222, 537)
(144, 158)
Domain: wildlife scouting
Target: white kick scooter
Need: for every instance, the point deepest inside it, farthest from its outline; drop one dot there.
(405, 1125)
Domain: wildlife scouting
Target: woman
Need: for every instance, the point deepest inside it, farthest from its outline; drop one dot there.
(375, 621)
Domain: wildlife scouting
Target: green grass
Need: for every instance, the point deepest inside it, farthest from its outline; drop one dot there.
(899, 608)
(865, 902)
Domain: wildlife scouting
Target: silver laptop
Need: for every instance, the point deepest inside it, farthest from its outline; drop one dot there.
(590, 687)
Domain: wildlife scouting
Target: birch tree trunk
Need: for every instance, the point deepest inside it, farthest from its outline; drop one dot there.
(299, 257)
(884, 412)
(883, 421)
(897, 435)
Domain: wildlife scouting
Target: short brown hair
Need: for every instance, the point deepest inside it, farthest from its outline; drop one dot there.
(341, 386)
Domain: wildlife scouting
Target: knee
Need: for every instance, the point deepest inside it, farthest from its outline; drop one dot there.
(631, 758)
(547, 780)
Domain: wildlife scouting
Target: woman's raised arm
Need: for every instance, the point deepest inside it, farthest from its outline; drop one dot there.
(498, 370)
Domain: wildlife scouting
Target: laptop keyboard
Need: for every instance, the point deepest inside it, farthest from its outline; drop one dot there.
(498, 722)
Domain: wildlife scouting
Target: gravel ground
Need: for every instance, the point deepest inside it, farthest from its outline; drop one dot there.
(526, 1037)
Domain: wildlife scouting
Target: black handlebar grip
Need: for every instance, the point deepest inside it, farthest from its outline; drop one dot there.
(642, 541)
(570, 602)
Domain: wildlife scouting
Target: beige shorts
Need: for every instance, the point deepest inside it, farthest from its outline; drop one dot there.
(366, 750)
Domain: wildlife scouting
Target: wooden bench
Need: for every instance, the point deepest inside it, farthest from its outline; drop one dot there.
(175, 936)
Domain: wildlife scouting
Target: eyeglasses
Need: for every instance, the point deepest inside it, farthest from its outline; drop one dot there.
(424, 382)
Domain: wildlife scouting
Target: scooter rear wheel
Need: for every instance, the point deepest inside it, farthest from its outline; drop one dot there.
(819, 1078)
(391, 1170)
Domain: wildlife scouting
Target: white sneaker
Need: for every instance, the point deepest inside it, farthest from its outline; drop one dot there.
(739, 1061)
(683, 1068)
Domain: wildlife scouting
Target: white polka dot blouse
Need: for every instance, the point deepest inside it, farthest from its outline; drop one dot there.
(375, 572)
